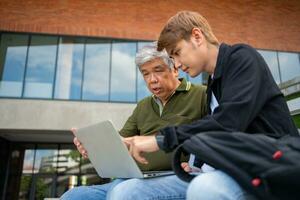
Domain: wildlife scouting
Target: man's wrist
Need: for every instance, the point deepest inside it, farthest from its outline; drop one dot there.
(160, 141)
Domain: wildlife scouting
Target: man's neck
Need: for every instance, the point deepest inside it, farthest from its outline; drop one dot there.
(165, 100)
(213, 52)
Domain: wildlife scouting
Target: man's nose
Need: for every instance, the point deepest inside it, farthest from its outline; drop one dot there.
(153, 78)
(177, 63)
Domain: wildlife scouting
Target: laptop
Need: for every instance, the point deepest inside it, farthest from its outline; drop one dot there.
(109, 155)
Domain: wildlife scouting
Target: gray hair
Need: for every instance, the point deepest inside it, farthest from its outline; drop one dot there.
(149, 52)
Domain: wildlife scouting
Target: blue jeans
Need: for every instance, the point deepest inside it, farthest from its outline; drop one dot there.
(94, 192)
(214, 185)
(166, 187)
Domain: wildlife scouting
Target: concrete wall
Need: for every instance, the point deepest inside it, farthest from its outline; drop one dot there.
(50, 117)
(268, 24)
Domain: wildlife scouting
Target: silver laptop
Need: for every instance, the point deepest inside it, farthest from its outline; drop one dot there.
(109, 155)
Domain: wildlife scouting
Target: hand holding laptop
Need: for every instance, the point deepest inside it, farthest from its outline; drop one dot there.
(83, 151)
(111, 155)
(140, 144)
(78, 144)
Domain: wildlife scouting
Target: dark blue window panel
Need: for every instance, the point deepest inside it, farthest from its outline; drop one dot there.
(272, 61)
(196, 80)
(13, 52)
(69, 69)
(123, 75)
(142, 90)
(182, 74)
(41, 67)
(289, 65)
(96, 71)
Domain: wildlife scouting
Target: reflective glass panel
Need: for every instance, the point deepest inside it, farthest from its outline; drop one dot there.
(205, 76)
(43, 186)
(69, 68)
(87, 167)
(289, 65)
(123, 75)
(45, 160)
(41, 66)
(196, 80)
(28, 161)
(142, 90)
(64, 183)
(68, 160)
(271, 59)
(25, 186)
(96, 70)
(92, 179)
(13, 52)
(182, 74)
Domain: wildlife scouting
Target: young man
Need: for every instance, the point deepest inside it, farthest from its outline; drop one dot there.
(174, 101)
(242, 96)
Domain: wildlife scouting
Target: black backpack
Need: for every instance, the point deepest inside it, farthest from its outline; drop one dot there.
(267, 167)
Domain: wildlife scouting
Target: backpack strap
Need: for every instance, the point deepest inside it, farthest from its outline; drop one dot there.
(176, 165)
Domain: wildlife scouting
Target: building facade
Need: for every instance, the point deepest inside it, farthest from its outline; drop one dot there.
(68, 64)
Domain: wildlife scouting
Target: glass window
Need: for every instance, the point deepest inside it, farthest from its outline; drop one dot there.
(87, 167)
(68, 160)
(28, 161)
(64, 183)
(25, 186)
(40, 179)
(13, 52)
(271, 59)
(45, 159)
(96, 70)
(42, 187)
(92, 179)
(41, 66)
(142, 90)
(204, 76)
(289, 65)
(69, 68)
(182, 74)
(196, 80)
(123, 75)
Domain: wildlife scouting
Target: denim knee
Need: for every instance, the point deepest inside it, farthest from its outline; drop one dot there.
(215, 185)
(124, 190)
(74, 193)
(79, 193)
(168, 187)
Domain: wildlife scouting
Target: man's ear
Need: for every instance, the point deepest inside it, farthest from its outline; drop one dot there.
(197, 36)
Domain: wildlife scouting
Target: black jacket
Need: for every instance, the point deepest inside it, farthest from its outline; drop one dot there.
(249, 100)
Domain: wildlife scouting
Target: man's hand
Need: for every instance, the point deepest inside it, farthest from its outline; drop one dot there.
(185, 166)
(78, 144)
(140, 144)
(126, 141)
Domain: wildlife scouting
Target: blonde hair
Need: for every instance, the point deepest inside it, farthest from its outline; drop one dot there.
(180, 27)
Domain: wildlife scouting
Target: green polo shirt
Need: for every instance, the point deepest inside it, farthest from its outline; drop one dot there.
(187, 104)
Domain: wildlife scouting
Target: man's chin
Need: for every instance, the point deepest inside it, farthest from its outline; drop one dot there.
(193, 75)
(157, 94)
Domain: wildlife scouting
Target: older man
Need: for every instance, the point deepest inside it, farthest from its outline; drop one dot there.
(174, 101)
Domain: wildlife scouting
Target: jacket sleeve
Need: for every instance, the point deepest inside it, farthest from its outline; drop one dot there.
(204, 102)
(242, 82)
